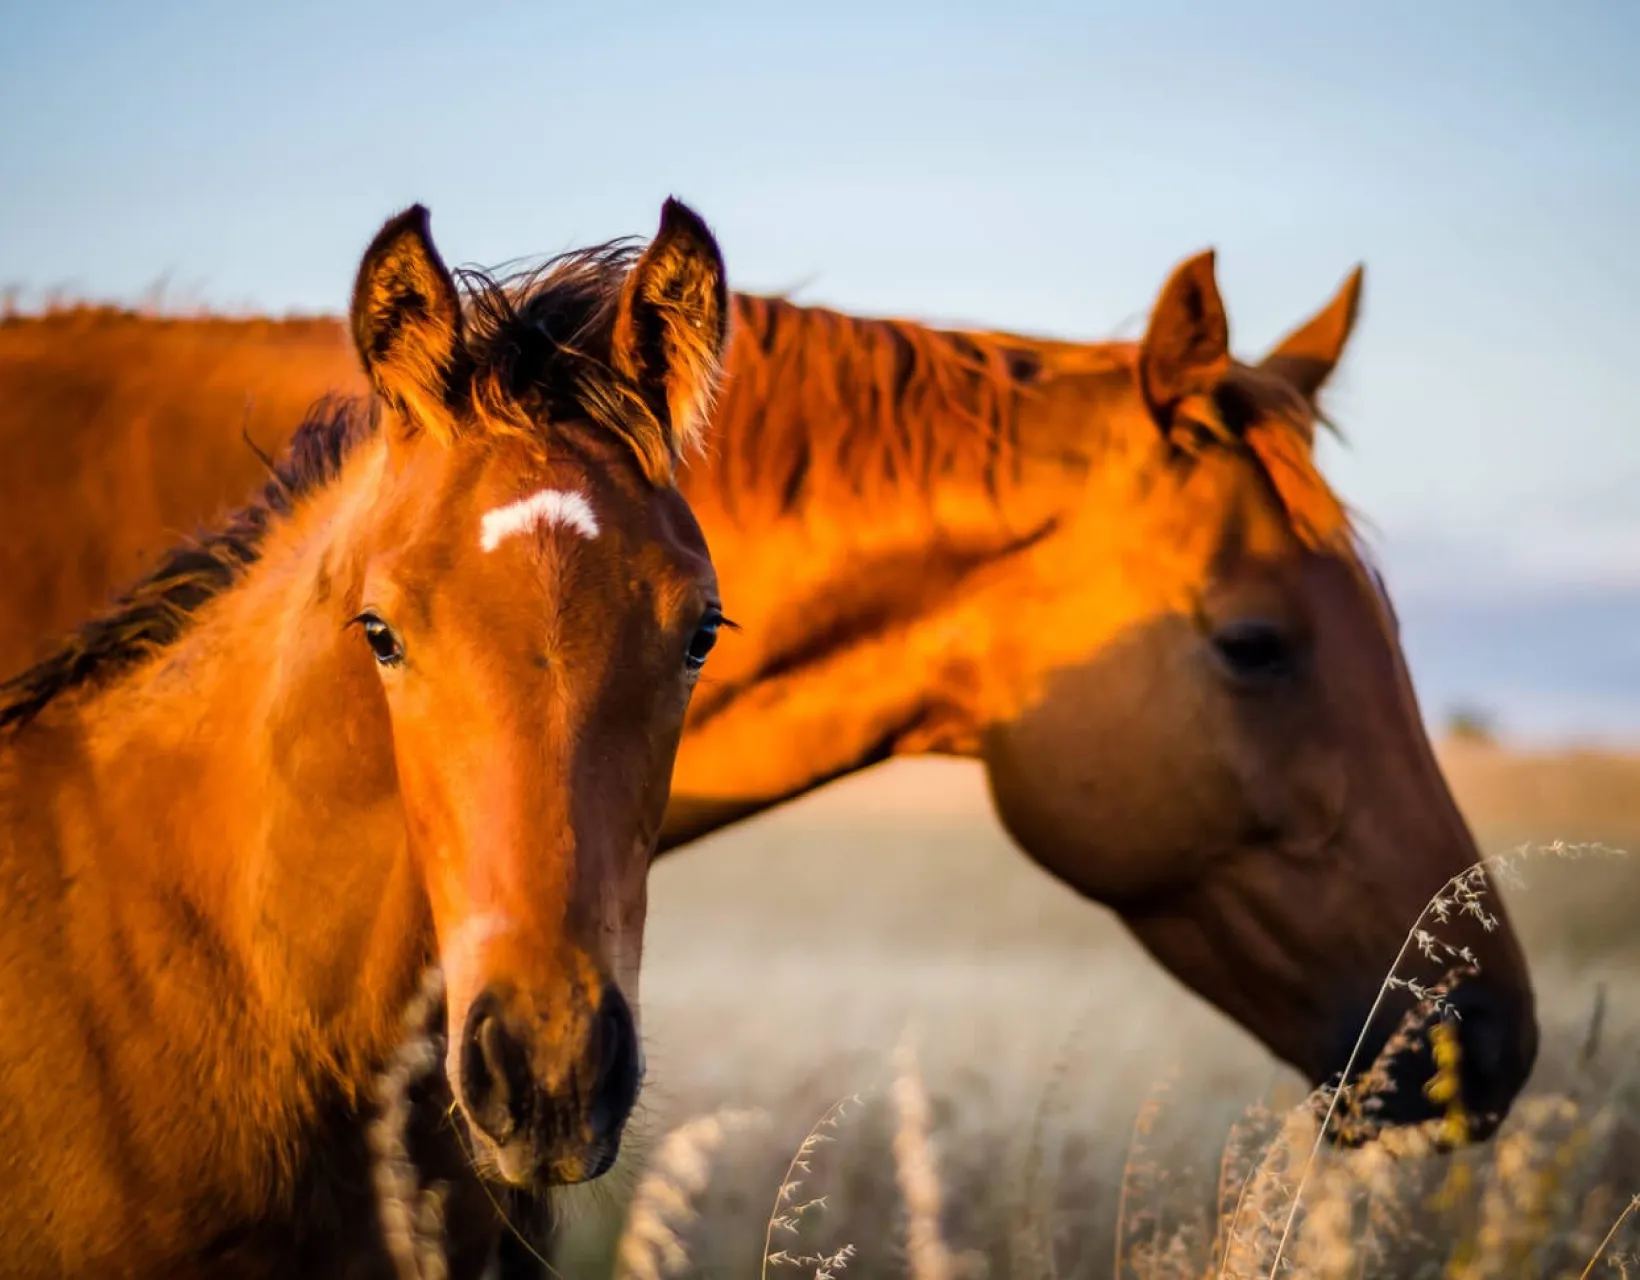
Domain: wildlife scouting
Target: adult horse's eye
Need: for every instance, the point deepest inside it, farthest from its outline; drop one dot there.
(1254, 651)
(700, 644)
(384, 642)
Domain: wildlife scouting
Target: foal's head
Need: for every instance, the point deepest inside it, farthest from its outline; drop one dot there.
(531, 602)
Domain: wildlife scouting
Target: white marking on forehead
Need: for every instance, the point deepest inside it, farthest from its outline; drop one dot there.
(550, 506)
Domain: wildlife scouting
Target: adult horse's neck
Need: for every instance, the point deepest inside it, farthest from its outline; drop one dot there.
(870, 485)
(225, 896)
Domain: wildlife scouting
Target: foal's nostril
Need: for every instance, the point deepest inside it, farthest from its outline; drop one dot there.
(581, 1121)
(495, 1076)
(620, 1067)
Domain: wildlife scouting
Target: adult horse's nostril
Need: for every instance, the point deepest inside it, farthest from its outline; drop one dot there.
(495, 1073)
(620, 1067)
(1481, 1034)
(1497, 1041)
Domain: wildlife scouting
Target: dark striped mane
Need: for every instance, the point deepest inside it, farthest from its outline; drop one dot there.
(831, 406)
(851, 412)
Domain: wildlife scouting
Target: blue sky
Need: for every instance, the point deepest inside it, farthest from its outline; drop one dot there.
(1039, 166)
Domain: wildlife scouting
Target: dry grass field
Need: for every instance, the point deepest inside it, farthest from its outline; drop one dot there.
(1086, 1117)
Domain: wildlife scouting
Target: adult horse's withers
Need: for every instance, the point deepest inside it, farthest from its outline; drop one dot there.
(1112, 573)
(417, 706)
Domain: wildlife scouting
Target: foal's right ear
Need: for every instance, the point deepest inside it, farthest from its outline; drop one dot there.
(672, 325)
(406, 320)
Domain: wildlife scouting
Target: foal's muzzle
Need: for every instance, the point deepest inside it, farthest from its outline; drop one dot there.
(557, 1135)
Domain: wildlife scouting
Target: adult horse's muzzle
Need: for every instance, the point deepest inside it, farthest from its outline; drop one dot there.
(549, 1117)
(1463, 1064)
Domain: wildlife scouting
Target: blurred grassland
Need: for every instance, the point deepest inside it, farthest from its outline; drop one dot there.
(1084, 1108)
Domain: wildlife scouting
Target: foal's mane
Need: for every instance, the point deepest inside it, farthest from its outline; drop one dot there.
(538, 347)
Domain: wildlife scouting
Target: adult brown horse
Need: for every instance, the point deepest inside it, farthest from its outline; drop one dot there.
(418, 705)
(1113, 573)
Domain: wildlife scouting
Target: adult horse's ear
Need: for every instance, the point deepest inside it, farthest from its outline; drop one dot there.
(1186, 348)
(1307, 356)
(406, 319)
(673, 325)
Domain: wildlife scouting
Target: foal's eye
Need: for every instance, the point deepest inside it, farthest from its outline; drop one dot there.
(700, 644)
(1254, 650)
(384, 642)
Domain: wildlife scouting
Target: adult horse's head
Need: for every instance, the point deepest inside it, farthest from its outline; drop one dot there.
(530, 604)
(1206, 721)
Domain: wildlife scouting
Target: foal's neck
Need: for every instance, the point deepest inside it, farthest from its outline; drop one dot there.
(255, 865)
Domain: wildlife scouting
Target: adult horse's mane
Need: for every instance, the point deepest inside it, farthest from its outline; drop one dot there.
(840, 406)
(1266, 417)
(539, 339)
(853, 409)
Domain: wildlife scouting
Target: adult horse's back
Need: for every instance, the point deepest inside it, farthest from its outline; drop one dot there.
(417, 706)
(1116, 576)
(109, 453)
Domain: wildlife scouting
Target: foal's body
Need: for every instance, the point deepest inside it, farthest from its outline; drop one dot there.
(399, 713)
(185, 1086)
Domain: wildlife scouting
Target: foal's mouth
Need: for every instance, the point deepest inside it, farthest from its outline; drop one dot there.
(516, 1164)
(521, 1163)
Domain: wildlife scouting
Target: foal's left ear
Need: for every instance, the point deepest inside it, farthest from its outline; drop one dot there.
(1307, 356)
(673, 325)
(406, 320)
(1186, 348)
